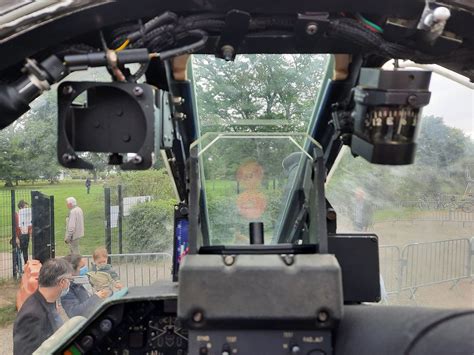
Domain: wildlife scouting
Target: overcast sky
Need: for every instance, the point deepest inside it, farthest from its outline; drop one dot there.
(452, 101)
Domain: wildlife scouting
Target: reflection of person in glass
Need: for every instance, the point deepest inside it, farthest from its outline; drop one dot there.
(251, 203)
(362, 211)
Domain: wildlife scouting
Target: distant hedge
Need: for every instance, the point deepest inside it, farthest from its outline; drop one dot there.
(150, 227)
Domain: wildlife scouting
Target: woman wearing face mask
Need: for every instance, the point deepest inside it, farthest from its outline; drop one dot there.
(76, 300)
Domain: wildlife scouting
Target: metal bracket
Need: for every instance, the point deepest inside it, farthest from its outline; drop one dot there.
(118, 118)
(233, 34)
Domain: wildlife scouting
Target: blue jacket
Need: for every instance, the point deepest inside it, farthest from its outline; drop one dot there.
(78, 302)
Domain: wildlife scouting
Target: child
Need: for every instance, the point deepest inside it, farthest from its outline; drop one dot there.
(102, 275)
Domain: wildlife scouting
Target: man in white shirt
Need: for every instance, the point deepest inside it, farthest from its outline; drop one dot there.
(74, 225)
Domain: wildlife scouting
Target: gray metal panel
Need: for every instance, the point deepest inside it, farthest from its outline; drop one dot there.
(260, 290)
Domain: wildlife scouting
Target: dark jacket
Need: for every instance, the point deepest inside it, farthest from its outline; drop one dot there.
(77, 302)
(36, 321)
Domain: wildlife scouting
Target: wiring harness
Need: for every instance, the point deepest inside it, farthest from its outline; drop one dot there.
(169, 35)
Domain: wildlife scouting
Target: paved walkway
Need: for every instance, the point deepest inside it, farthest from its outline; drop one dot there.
(6, 340)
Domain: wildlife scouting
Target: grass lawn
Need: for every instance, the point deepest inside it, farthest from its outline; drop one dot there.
(92, 205)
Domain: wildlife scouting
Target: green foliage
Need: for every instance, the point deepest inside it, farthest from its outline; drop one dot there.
(257, 92)
(28, 146)
(155, 183)
(443, 154)
(92, 205)
(225, 220)
(150, 227)
(439, 144)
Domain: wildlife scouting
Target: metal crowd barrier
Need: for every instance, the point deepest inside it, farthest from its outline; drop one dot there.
(424, 264)
(467, 219)
(389, 258)
(139, 269)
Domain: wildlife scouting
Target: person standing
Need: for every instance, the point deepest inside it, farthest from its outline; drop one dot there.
(38, 317)
(74, 225)
(24, 228)
(88, 185)
(363, 211)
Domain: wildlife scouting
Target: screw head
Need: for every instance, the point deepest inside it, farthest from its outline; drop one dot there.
(126, 138)
(412, 99)
(198, 317)
(323, 316)
(179, 116)
(229, 260)
(311, 28)
(137, 159)
(68, 90)
(67, 158)
(178, 100)
(331, 214)
(137, 91)
(228, 52)
(288, 259)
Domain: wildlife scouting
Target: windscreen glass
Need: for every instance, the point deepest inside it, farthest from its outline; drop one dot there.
(253, 116)
(248, 177)
(423, 213)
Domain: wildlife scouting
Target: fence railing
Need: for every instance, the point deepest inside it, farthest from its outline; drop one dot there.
(139, 269)
(467, 219)
(389, 257)
(425, 264)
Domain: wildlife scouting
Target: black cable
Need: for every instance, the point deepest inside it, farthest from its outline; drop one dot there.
(352, 31)
(163, 32)
(161, 20)
(153, 23)
(200, 25)
(187, 49)
(152, 38)
(143, 67)
(79, 48)
(103, 41)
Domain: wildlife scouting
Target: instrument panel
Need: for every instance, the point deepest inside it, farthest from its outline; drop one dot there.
(144, 322)
(130, 326)
(166, 336)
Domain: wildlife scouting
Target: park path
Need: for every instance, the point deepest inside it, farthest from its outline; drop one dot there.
(6, 340)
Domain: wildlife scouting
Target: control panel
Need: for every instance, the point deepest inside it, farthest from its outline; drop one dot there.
(145, 327)
(262, 342)
(145, 322)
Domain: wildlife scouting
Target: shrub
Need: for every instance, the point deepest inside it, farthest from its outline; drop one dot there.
(150, 227)
(155, 183)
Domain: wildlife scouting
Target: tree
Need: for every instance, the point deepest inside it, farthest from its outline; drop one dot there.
(443, 153)
(439, 144)
(246, 94)
(28, 146)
